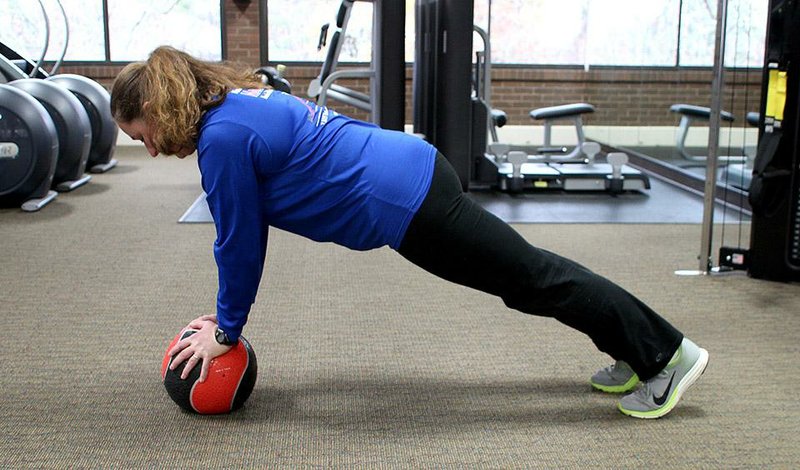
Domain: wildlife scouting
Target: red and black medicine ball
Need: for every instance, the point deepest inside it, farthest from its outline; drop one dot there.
(231, 378)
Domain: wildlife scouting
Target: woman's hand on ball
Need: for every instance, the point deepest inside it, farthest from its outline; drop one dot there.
(198, 322)
(200, 347)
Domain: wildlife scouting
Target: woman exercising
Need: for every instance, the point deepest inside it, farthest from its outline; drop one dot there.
(268, 158)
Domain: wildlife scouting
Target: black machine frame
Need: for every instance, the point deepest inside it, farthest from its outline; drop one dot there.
(775, 189)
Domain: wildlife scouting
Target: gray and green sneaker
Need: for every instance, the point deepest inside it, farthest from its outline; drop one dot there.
(659, 395)
(616, 378)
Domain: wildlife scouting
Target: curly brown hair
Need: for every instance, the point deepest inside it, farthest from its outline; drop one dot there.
(171, 91)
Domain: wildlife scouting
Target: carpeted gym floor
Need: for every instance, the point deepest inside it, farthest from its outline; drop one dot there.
(364, 360)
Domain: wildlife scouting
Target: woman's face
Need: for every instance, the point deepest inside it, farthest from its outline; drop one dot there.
(138, 129)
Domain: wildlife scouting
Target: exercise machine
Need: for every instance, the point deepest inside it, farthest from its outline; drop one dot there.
(29, 143)
(95, 99)
(689, 114)
(28, 151)
(555, 167)
(385, 101)
(97, 102)
(774, 252)
(72, 124)
(77, 116)
(73, 129)
(273, 77)
(561, 167)
(456, 116)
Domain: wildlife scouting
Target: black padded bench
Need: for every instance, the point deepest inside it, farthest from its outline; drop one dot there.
(699, 112)
(571, 112)
(499, 117)
(690, 113)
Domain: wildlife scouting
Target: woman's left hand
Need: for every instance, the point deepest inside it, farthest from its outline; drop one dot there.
(200, 347)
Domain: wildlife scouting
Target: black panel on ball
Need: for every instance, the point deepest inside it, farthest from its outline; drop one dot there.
(180, 390)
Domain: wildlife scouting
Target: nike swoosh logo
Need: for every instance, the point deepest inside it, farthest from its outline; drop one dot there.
(663, 398)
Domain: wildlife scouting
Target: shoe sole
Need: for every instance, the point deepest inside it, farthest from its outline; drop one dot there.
(626, 387)
(688, 380)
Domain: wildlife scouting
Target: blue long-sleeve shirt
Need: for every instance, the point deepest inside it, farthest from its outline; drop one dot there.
(271, 159)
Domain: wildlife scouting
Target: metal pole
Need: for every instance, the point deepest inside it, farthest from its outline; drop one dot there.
(713, 138)
(487, 71)
(46, 41)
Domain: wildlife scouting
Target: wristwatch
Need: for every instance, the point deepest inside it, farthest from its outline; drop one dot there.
(222, 338)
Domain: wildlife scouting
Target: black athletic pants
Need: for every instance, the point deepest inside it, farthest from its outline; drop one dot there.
(456, 239)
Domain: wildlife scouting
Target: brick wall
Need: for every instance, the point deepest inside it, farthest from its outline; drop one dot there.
(623, 96)
(242, 30)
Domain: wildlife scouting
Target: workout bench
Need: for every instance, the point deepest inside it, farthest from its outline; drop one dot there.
(690, 113)
(570, 112)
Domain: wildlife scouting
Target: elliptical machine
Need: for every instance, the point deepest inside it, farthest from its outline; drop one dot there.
(28, 151)
(97, 103)
(81, 126)
(73, 131)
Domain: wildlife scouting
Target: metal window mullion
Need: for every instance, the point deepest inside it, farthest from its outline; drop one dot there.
(223, 31)
(106, 31)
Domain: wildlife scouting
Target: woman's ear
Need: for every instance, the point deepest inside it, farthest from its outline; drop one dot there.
(145, 105)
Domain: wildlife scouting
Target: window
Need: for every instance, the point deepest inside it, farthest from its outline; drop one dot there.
(139, 26)
(622, 32)
(538, 31)
(291, 40)
(745, 35)
(528, 32)
(632, 32)
(135, 28)
(549, 32)
(24, 28)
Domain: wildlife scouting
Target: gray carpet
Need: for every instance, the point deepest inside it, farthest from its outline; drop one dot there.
(364, 360)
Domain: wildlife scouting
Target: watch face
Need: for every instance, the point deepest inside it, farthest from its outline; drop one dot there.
(222, 338)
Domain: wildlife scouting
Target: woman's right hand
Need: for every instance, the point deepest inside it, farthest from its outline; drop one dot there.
(197, 323)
